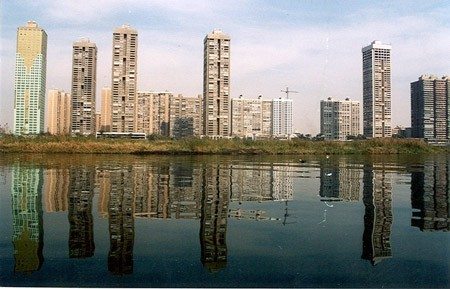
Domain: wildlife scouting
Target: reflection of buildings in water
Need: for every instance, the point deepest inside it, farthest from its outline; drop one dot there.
(185, 191)
(103, 181)
(430, 197)
(282, 182)
(339, 183)
(261, 183)
(213, 220)
(121, 221)
(81, 233)
(28, 229)
(251, 183)
(56, 190)
(377, 198)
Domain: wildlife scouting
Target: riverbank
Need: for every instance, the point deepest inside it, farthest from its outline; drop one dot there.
(53, 144)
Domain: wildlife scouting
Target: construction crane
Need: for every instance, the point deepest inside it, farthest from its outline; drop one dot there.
(287, 91)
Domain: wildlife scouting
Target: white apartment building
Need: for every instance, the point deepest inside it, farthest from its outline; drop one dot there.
(282, 118)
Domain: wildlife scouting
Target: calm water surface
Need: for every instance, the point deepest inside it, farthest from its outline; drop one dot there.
(129, 221)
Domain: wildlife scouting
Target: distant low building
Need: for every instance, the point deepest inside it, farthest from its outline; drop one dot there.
(251, 118)
(282, 118)
(339, 118)
(58, 112)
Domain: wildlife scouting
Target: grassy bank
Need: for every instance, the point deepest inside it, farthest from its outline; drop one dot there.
(53, 144)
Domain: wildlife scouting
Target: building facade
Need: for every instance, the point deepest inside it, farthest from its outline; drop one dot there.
(216, 85)
(339, 118)
(282, 118)
(430, 108)
(58, 112)
(251, 118)
(105, 118)
(29, 81)
(124, 80)
(153, 113)
(84, 79)
(377, 90)
(186, 116)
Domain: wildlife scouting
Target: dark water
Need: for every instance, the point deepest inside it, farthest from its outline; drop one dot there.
(125, 221)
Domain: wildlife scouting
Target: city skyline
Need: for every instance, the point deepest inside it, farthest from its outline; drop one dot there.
(310, 47)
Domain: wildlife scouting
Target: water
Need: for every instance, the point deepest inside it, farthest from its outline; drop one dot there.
(161, 221)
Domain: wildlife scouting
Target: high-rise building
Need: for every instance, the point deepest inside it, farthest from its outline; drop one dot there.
(377, 90)
(282, 118)
(29, 81)
(186, 116)
(430, 108)
(251, 117)
(98, 122)
(84, 79)
(339, 118)
(216, 85)
(106, 110)
(124, 79)
(58, 112)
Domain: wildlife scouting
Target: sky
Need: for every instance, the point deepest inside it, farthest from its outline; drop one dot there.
(313, 47)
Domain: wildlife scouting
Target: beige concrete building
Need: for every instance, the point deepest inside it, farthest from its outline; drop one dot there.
(186, 116)
(29, 81)
(124, 80)
(216, 85)
(153, 114)
(56, 190)
(58, 112)
(251, 118)
(339, 118)
(84, 79)
(377, 90)
(106, 109)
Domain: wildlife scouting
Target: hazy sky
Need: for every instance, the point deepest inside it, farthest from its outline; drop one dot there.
(313, 47)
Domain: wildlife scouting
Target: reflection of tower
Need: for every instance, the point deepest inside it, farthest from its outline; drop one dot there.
(213, 220)
(339, 183)
(377, 198)
(104, 186)
(121, 222)
(56, 189)
(81, 234)
(430, 197)
(28, 229)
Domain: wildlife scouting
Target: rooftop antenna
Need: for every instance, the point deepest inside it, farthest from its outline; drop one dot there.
(287, 91)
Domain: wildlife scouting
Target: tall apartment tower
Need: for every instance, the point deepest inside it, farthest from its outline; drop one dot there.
(30, 76)
(282, 118)
(339, 118)
(430, 108)
(106, 109)
(216, 85)
(377, 90)
(124, 78)
(84, 79)
(58, 112)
